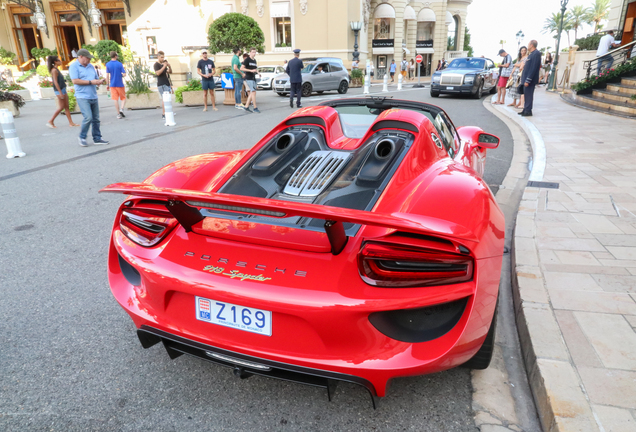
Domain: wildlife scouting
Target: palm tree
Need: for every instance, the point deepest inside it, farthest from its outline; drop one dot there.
(552, 23)
(598, 12)
(578, 18)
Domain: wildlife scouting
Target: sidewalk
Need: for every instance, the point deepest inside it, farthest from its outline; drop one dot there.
(575, 265)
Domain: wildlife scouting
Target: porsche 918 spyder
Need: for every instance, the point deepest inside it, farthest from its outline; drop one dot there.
(355, 242)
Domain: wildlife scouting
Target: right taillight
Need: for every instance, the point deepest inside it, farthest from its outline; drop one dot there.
(146, 225)
(397, 266)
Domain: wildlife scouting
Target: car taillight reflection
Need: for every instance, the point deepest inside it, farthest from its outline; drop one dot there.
(146, 226)
(397, 266)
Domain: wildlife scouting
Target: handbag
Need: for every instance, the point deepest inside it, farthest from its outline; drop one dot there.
(510, 82)
(520, 89)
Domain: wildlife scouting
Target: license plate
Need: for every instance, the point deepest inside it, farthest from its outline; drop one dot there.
(450, 88)
(234, 316)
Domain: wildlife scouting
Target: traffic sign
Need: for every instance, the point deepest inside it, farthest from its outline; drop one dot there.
(418, 58)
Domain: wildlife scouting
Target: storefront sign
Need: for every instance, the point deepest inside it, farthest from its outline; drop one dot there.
(383, 43)
(424, 43)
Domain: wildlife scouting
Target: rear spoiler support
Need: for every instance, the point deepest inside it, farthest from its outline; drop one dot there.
(336, 235)
(187, 216)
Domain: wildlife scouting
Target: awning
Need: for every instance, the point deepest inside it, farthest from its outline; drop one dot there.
(280, 9)
(383, 50)
(406, 50)
(384, 11)
(449, 18)
(424, 50)
(409, 13)
(426, 15)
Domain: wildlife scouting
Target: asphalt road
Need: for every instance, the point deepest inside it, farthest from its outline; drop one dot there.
(69, 356)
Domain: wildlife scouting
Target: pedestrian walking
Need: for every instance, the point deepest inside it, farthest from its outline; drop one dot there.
(85, 80)
(206, 70)
(294, 68)
(392, 70)
(545, 70)
(249, 67)
(115, 74)
(505, 70)
(59, 87)
(239, 76)
(404, 68)
(164, 84)
(74, 53)
(354, 64)
(530, 77)
(604, 46)
(517, 68)
(371, 69)
(412, 69)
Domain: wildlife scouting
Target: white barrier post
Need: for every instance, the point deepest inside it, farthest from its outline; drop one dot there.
(367, 82)
(400, 82)
(10, 135)
(385, 86)
(167, 104)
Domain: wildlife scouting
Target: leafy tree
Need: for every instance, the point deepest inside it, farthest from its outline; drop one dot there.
(42, 53)
(597, 13)
(6, 57)
(235, 30)
(467, 46)
(578, 17)
(551, 24)
(103, 49)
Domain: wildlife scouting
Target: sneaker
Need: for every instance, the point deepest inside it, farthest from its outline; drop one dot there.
(121, 113)
(119, 116)
(82, 142)
(163, 116)
(100, 141)
(247, 109)
(256, 110)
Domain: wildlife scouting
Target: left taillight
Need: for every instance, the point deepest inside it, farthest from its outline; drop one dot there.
(396, 266)
(147, 224)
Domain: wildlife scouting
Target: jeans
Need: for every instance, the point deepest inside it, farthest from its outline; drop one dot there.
(238, 87)
(90, 111)
(608, 60)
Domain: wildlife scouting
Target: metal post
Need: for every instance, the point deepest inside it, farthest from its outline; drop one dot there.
(419, 82)
(553, 77)
(356, 53)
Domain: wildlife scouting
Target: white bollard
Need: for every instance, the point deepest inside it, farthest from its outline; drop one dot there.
(167, 104)
(385, 86)
(367, 83)
(10, 135)
(400, 82)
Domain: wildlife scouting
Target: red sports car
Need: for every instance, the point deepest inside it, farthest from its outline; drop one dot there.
(355, 242)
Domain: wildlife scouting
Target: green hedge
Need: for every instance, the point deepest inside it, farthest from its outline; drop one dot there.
(588, 43)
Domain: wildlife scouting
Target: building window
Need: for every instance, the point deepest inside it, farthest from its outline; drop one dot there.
(282, 27)
(383, 28)
(425, 30)
(453, 35)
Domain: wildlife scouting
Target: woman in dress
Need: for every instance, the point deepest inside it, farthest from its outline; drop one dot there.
(59, 87)
(515, 77)
(545, 70)
(412, 69)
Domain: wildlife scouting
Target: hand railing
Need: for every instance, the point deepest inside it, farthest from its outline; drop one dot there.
(619, 55)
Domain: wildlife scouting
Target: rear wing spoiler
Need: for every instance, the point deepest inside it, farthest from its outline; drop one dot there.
(183, 205)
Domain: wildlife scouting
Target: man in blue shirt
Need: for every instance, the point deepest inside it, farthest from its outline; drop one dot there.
(392, 70)
(115, 74)
(85, 79)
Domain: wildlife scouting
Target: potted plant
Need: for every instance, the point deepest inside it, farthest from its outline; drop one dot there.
(72, 101)
(47, 91)
(190, 94)
(19, 90)
(11, 101)
(7, 58)
(138, 94)
(357, 78)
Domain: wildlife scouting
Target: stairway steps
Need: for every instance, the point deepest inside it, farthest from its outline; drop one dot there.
(611, 106)
(622, 88)
(611, 96)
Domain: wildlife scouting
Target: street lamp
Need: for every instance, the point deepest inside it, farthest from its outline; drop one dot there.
(356, 26)
(552, 83)
(95, 14)
(520, 37)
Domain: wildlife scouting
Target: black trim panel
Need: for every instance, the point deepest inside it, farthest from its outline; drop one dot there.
(306, 120)
(394, 124)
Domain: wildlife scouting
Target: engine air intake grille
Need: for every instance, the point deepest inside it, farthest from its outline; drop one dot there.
(452, 79)
(315, 173)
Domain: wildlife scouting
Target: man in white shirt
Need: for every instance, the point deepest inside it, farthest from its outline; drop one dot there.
(604, 46)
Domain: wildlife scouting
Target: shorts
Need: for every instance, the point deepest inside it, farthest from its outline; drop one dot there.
(57, 93)
(207, 84)
(164, 88)
(118, 93)
(392, 73)
(502, 81)
(251, 85)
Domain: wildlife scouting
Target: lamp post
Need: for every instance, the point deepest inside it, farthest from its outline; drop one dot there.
(356, 26)
(552, 83)
(520, 37)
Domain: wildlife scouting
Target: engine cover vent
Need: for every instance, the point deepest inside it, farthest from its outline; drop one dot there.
(316, 173)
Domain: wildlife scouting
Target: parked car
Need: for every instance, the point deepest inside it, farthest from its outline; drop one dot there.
(466, 75)
(267, 74)
(356, 241)
(319, 75)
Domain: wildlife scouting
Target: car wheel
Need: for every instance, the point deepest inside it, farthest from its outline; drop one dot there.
(344, 86)
(482, 358)
(320, 92)
(480, 90)
(306, 89)
(434, 94)
(280, 94)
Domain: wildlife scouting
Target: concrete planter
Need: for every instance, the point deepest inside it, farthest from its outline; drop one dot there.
(47, 92)
(26, 94)
(143, 101)
(194, 98)
(9, 105)
(229, 97)
(356, 82)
